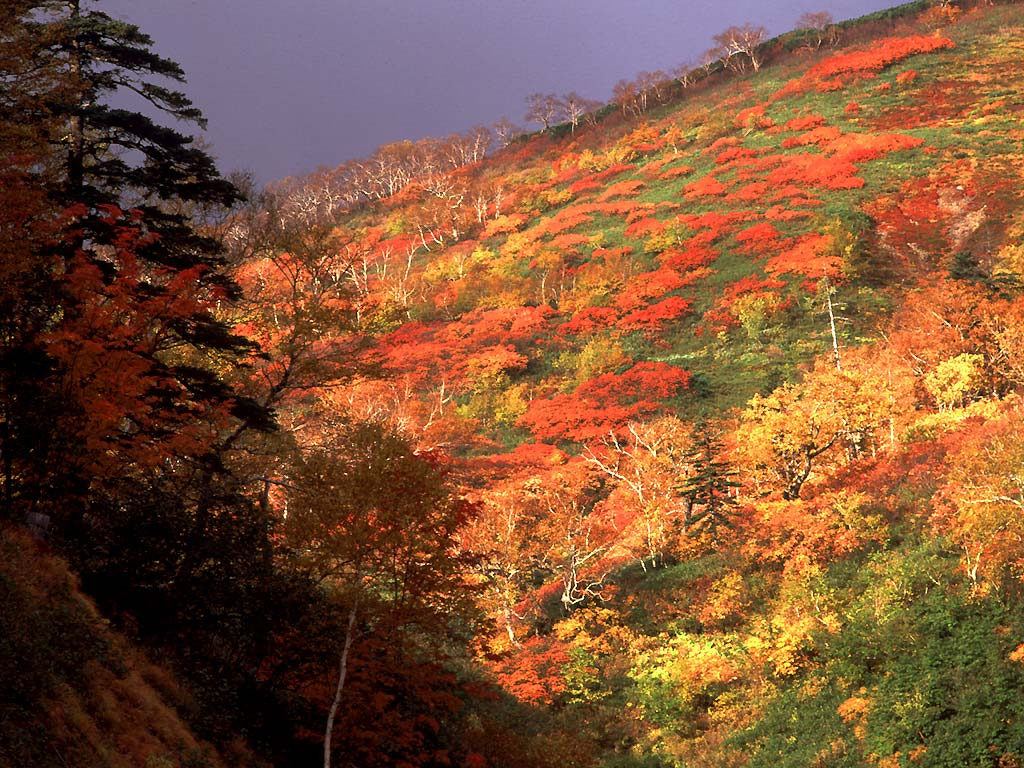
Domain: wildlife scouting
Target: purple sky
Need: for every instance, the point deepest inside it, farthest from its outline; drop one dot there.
(291, 85)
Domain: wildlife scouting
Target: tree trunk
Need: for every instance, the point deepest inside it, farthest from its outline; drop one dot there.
(832, 325)
(76, 128)
(510, 629)
(342, 672)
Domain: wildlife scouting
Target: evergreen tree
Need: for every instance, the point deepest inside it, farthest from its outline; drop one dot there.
(70, 62)
(114, 409)
(966, 266)
(708, 490)
(115, 156)
(126, 278)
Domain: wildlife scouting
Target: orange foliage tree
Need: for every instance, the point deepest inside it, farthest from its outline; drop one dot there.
(391, 564)
(980, 505)
(648, 466)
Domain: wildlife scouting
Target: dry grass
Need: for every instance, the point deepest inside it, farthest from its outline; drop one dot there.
(118, 709)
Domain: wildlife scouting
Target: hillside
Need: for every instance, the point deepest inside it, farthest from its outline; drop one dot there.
(708, 538)
(699, 237)
(683, 434)
(76, 692)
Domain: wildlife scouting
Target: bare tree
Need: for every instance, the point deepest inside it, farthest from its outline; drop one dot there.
(543, 108)
(344, 179)
(388, 170)
(486, 198)
(479, 138)
(576, 535)
(625, 94)
(649, 464)
(653, 85)
(575, 107)
(741, 42)
(461, 149)
(684, 74)
(821, 26)
(505, 131)
(392, 167)
(709, 58)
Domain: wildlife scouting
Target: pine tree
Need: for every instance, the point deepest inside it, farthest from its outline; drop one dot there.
(113, 405)
(708, 489)
(125, 199)
(114, 156)
(74, 62)
(966, 266)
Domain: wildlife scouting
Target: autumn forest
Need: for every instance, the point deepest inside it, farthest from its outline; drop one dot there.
(679, 430)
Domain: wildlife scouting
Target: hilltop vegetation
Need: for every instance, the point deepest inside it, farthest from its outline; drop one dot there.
(683, 433)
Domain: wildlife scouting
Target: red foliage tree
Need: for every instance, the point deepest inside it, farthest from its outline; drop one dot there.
(116, 348)
(606, 403)
(652, 319)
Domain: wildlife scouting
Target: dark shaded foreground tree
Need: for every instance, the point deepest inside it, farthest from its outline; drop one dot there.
(114, 156)
(118, 310)
(113, 398)
(125, 401)
(375, 525)
(26, 226)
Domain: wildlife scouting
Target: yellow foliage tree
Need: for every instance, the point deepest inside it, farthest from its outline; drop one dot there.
(955, 381)
(785, 434)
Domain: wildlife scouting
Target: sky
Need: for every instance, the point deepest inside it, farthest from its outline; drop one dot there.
(288, 86)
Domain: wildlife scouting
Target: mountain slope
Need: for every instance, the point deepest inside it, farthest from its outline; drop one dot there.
(687, 435)
(700, 238)
(721, 376)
